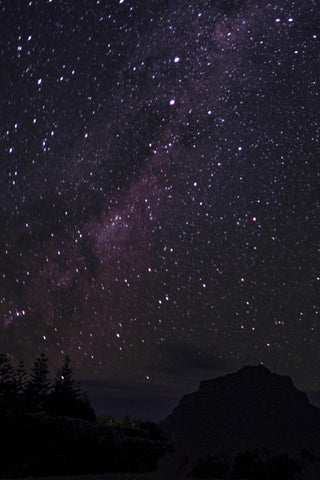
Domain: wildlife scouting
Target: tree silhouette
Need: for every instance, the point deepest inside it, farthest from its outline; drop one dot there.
(107, 420)
(39, 384)
(21, 393)
(67, 398)
(126, 422)
(7, 385)
(64, 384)
(41, 439)
(20, 381)
(211, 467)
(20, 378)
(6, 370)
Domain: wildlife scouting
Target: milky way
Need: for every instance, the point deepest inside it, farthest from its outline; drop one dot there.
(160, 186)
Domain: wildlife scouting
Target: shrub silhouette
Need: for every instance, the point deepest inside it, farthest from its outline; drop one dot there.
(282, 467)
(107, 420)
(153, 430)
(215, 466)
(260, 466)
(250, 465)
(308, 456)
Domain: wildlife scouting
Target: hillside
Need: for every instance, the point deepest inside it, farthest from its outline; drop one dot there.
(250, 409)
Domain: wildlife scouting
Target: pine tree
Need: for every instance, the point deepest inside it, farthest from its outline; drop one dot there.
(7, 385)
(6, 370)
(67, 396)
(64, 383)
(21, 378)
(107, 420)
(39, 384)
(20, 384)
(126, 422)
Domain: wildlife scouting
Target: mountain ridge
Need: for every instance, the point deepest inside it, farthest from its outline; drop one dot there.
(248, 409)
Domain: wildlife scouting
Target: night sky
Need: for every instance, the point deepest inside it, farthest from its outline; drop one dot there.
(160, 187)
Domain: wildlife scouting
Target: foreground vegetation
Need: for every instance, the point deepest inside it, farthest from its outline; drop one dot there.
(48, 427)
(114, 476)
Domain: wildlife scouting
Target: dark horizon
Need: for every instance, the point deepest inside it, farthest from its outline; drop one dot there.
(251, 423)
(146, 401)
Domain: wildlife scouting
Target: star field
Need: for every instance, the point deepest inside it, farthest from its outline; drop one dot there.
(160, 187)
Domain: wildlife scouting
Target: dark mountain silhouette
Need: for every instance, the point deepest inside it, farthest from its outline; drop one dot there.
(250, 409)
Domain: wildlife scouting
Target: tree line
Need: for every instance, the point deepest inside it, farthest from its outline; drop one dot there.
(45, 427)
(35, 392)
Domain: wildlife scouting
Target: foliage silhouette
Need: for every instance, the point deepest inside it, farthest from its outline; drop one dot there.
(107, 420)
(38, 386)
(21, 378)
(282, 467)
(67, 398)
(250, 465)
(153, 430)
(260, 466)
(211, 467)
(126, 422)
(49, 428)
(8, 388)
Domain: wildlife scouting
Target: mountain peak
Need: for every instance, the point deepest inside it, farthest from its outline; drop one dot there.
(251, 408)
(251, 381)
(252, 369)
(248, 371)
